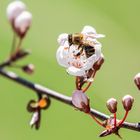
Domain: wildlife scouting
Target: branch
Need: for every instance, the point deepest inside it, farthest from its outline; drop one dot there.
(60, 97)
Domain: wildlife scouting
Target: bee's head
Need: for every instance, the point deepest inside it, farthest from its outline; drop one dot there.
(75, 38)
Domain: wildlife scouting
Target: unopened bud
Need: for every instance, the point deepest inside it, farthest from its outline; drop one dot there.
(112, 105)
(23, 23)
(99, 63)
(14, 9)
(80, 101)
(137, 80)
(29, 69)
(127, 102)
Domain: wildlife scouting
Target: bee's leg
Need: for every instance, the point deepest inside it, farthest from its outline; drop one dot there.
(80, 50)
(79, 46)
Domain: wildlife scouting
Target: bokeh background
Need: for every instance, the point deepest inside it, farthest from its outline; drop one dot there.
(118, 20)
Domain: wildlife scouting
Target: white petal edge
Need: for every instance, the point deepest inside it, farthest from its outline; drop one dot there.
(76, 71)
(88, 30)
(97, 36)
(61, 57)
(62, 38)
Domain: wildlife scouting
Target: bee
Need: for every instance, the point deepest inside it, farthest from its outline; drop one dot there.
(83, 46)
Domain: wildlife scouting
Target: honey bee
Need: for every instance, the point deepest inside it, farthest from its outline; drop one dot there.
(86, 46)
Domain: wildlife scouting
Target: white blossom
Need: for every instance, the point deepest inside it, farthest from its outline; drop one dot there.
(66, 55)
(14, 9)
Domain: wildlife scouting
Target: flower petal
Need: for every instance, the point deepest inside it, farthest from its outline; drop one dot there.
(75, 71)
(61, 56)
(88, 30)
(99, 36)
(62, 38)
(91, 32)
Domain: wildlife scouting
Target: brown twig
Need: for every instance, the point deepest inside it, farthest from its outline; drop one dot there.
(16, 56)
(60, 97)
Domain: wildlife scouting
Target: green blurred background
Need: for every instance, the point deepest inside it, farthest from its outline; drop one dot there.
(118, 20)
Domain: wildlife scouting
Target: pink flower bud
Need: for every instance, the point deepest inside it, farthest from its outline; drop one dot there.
(23, 23)
(112, 105)
(28, 68)
(137, 80)
(127, 102)
(80, 101)
(14, 9)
